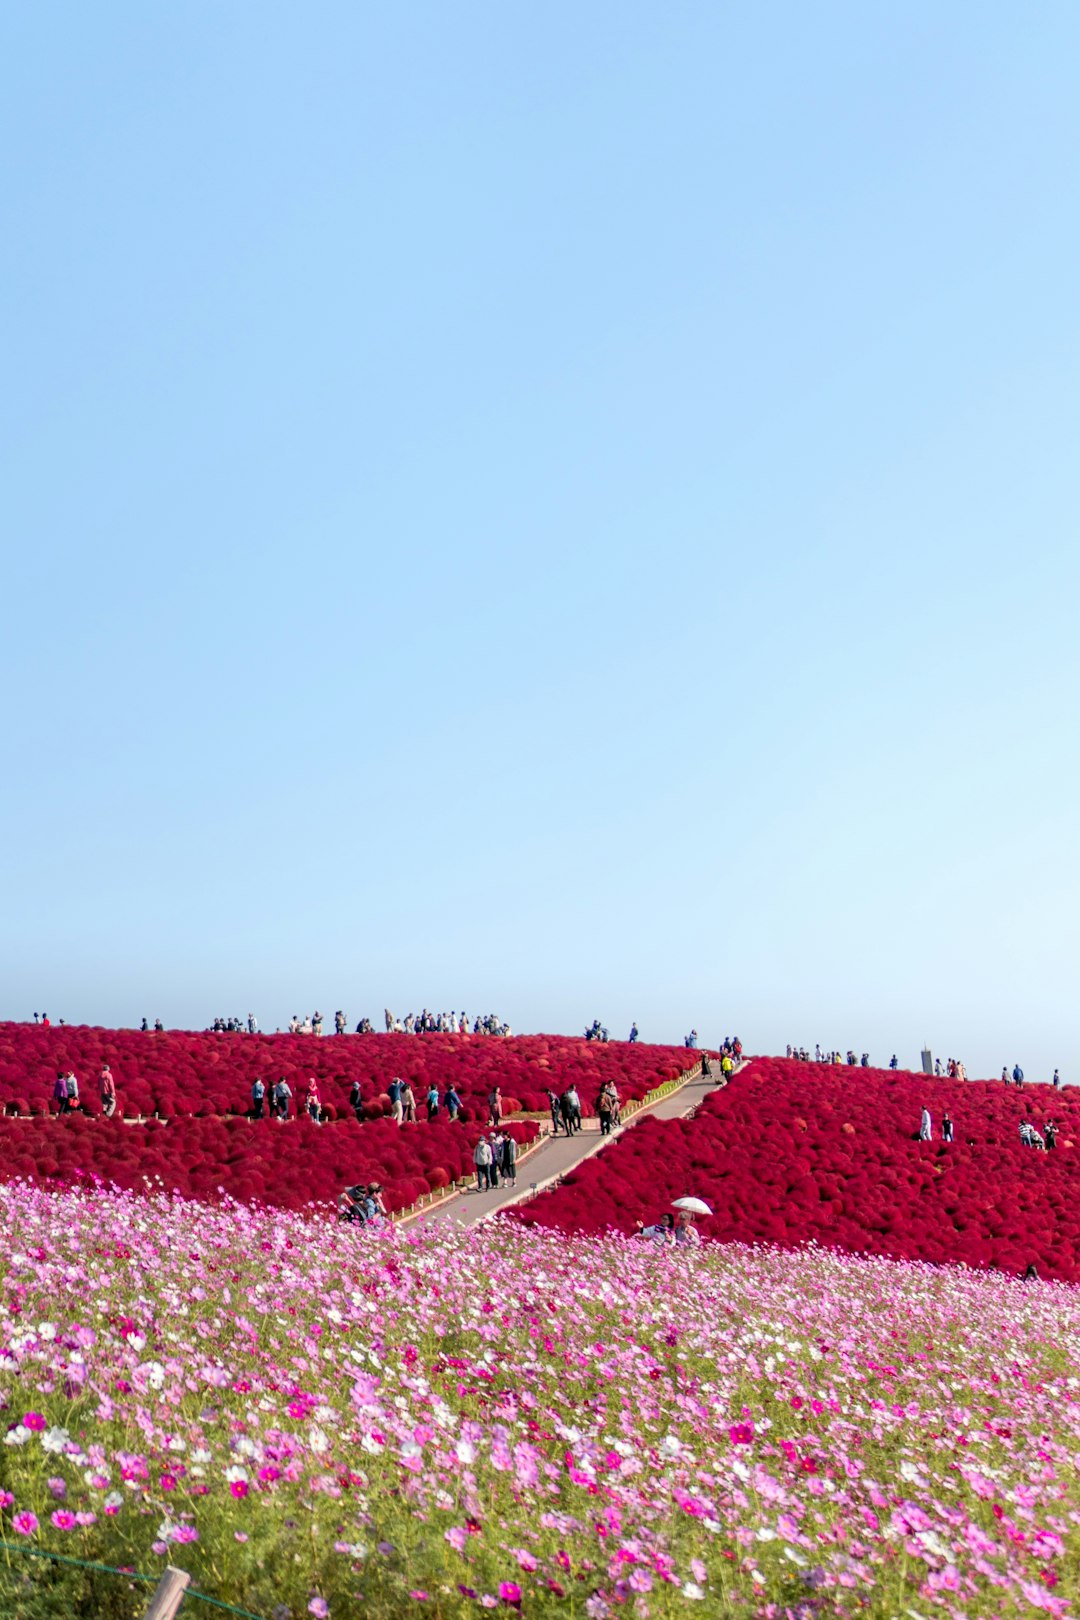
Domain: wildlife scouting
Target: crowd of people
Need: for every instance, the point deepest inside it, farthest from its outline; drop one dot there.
(451, 1023)
(1045, 1141)
(495, 1157)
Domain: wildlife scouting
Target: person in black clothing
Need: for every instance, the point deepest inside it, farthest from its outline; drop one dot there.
(556, 1111)
(1050, 1134)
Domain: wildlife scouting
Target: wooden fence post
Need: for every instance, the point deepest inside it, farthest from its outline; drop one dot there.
(168, 1594)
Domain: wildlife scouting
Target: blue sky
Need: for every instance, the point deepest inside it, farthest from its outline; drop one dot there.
(566, 510)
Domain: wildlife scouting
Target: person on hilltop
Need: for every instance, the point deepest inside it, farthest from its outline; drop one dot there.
(633, 1036)
(483, 1161)
(1004, 1076)
(108, 1092)
(893, 1064)
(926, 1131)
(144, 1027)
(1018, 1076)
(253, 1024)
(1056, 1082)
(258, 1093)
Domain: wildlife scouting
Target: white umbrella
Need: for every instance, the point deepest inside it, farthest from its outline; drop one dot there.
(696, 1206)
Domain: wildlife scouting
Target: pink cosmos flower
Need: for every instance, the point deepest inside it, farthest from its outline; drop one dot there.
(34, 1421)
(319, 1608)
(62, 1519)
(510, 1592)
(25, 1523)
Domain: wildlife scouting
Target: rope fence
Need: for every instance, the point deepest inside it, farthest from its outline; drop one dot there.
(125, 1574)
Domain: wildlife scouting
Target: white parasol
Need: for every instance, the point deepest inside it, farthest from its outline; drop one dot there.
(695, 1206)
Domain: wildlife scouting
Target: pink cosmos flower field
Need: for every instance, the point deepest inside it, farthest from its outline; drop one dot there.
(316, 1420)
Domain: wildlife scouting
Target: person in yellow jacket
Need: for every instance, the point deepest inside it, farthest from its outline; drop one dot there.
(726, 1066)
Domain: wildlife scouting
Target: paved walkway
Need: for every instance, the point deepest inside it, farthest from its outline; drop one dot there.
(555, 1157)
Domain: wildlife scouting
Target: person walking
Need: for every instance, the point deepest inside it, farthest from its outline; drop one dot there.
(1051, 1136)
(72, 1092)
(495, 1107)
(603, 1111)
(356, 1099)
(432, 1101)
(312, 1102)
(408, 1104)
(282, 1093)
(555, 1104)
(482, 1161)
(727, 1067)
(60, 1095)
(1018, 1076)
(633, 1037)
(509, 1159)
(946, 1128)
(258, 1092)
(926, 1132)
(108, 1092)
(1056, 1081)
(452, 1103)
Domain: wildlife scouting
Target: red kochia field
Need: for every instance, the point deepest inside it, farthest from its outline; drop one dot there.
(183, 1073)
(286, 1166)
(794, 1152)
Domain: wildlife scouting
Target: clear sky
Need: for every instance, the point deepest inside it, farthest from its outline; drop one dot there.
(568, 510)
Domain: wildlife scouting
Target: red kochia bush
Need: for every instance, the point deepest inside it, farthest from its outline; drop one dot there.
(185, 1073)
(791, 1152)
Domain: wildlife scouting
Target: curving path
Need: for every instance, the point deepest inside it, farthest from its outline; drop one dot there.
(555, 1157)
